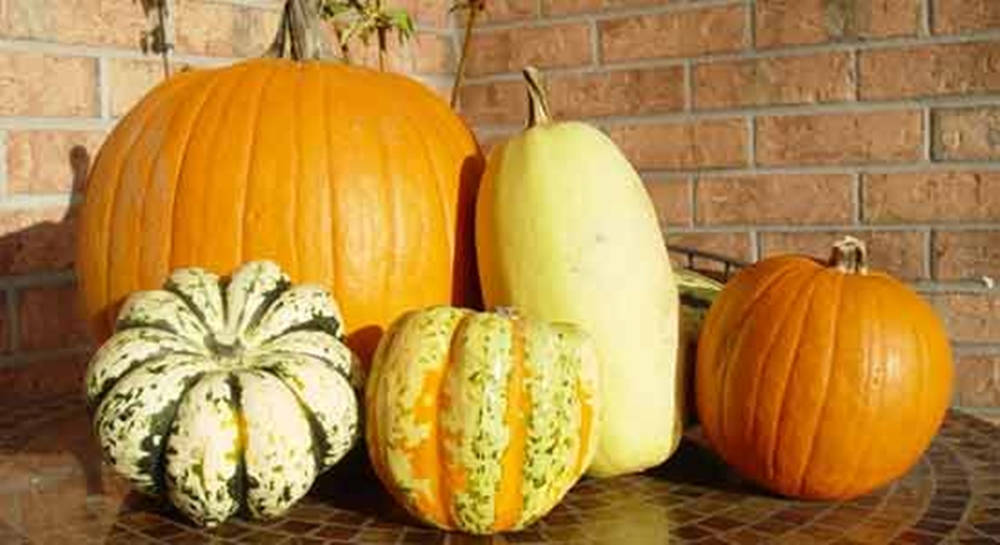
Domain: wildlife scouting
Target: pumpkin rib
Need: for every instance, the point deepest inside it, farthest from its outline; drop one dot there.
(321, 443)
(776, 428)
(130, 226)
(824, 398)
(249, 171)
(107, 223)
(509, 498)
(778, 277)
(93, 237)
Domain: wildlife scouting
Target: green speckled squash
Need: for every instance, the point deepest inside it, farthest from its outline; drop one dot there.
(227, 396)
(481, 422)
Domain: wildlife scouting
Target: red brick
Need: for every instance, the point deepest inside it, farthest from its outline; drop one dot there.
(44, 379)
(801, 79)
(223, 29)
(977, 380)
(950, 69)
(900, 253)
(787, 22)
(878, 137)
(957, 16)
(931, 197)
(36, 240)
(672, 199)
(432, 54)
(129, 80)
(966, 133)
(699, 144)
(37, 84)
(50, 161)
(511, 49)
(574, 96)
(565, 7)
(971, 317)
(777, 199)
(675, 34)
(505, 11)
(730, 245)
(432, 13)
(967, 255)
(49, 319)
(92, 22)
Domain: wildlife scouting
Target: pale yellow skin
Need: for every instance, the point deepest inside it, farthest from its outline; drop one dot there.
(565, 231)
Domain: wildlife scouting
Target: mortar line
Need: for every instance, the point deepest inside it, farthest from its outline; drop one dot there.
(856, 83)
(928, 135)
(787, 51)
(858, 196)
(751, 24)
(595, 44)
(751, 128)
(824, 227)
(831, 108)
(754, 245)
(929, 259)
(688, 87)
(570, 18)
(846, 169)
(3, 164)
(104, 87)
(693, 200)
(926, 18)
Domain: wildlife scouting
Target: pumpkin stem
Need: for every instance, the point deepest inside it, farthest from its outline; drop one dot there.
(538, 103)
(299, 30)
(850, 255)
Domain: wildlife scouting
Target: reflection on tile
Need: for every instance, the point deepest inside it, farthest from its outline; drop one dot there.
(54, 490)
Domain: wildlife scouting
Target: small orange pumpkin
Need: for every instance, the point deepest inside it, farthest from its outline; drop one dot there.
(821, 381)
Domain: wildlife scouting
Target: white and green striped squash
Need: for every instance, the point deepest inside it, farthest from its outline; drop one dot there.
(481, 422)
(228, 396)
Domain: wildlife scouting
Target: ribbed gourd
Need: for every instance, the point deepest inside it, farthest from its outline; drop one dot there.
(225, 395)
(481, 422)
(565, 231)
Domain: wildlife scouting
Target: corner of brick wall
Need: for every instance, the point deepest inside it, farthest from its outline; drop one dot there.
(768, 126)
(67, 76)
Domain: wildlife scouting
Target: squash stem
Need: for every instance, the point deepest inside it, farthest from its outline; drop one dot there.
(299, 31)
(850, 256)
(538, 103)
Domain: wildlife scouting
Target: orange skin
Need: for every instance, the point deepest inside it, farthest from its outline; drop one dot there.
(818, 383)
(360, 181)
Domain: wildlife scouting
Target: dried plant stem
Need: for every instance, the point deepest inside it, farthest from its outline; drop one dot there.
(475, 6)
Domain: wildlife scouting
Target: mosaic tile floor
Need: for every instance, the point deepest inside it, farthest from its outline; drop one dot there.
(53, 490)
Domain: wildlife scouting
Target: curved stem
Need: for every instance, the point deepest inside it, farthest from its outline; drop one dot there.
(538, 103)
(299, 29)
(470, 22)
(850, 256)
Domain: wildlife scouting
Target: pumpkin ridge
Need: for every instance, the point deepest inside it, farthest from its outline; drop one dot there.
(779, 276)
(248, 172)
(776, 433)
(824, 398)
(177, 171)
(154, 111)
(170, 287)
(154, 358)
(765, 355)
(130, 225)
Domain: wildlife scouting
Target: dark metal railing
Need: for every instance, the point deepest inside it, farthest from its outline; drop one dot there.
(728, 265)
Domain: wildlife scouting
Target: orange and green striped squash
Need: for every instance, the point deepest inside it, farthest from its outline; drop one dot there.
(481, 422)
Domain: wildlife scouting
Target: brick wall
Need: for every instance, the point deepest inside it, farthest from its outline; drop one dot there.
(68, 70)
(772, 126)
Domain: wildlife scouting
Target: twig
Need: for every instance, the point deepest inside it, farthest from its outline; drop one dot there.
(473, 7)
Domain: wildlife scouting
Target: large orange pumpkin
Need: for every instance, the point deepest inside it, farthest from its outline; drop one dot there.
(358, 180)
(818, 380)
